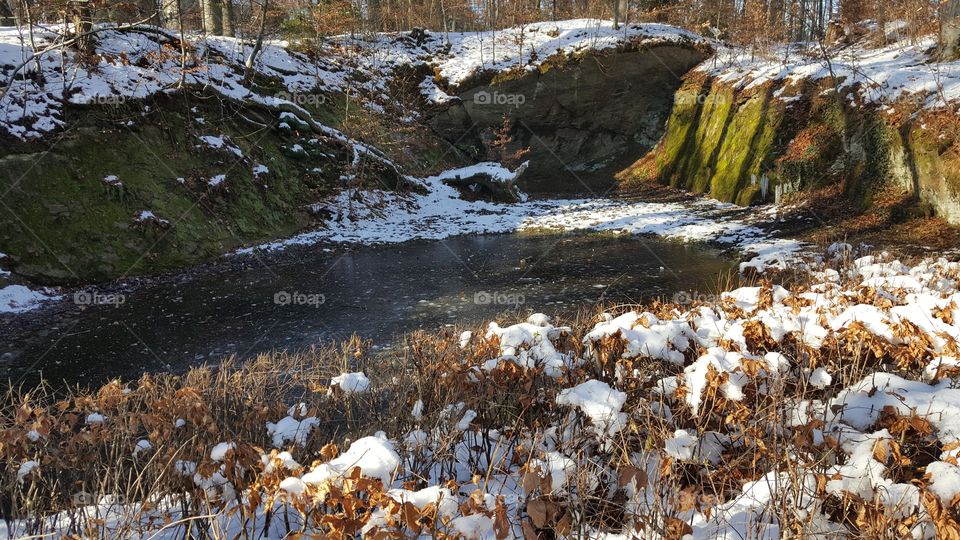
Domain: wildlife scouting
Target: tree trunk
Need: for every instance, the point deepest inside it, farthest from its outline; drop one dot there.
(82, 18)
(227, 18)
(211, 20)
(170, 13)
(881, 18)
(258, 46)
(950, 29)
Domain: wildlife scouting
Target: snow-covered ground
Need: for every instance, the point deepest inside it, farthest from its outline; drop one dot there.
(902, 70)
(135, 65)
(20, 299)
(373, 216)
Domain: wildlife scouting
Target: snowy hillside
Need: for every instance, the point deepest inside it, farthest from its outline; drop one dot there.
(132, 65)
(900, 72)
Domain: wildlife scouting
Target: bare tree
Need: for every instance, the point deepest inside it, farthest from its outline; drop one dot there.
(620, 8)
(211, 17)
(227, 18)
(81, 16)
(258, 46)
(950, 29)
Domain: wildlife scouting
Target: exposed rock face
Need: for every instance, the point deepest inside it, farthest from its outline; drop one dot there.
(747, 146)
(583, 119)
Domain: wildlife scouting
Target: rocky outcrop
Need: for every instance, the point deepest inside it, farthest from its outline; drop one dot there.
(581, 118)
(763, 143)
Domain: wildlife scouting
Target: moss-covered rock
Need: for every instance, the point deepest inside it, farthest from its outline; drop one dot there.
(731, 144)
(133, 189)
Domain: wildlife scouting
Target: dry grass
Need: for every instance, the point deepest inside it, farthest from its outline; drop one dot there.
(82, 462)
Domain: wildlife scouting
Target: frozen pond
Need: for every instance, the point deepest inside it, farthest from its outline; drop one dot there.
(278, 302)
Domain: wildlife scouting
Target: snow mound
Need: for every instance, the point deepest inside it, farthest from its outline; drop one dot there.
(375, 456)
(20, 299)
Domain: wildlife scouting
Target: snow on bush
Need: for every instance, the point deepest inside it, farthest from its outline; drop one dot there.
(351, 383)
(598, 402)
(374, 456)
(291, 430)
(787, 412)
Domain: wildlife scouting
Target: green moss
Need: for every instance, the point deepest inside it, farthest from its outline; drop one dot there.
(67, 225)
(869, 138)
(717, 113)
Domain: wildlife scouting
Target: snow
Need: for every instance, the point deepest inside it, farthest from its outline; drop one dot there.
(901, 70)
(530, 346)
(938, 364)
(221, 143)
(474, 527)
(441, 498)
(219, 452)
(95, 418)
(147, 216)
(151, 68)
(682, 445)
(136, 65)
(558, 467)
(820, 378)
(696, 376)
(25, 469)
(20, 299)
(143, 445)
(417, 411)
(293, 485)
(573, 447)
(643, 335)
(495, 171)
(383, 217)
(527, 47)
(351, 383)
(375, 456)
(291, 430)
(598, 402)
(283, 459)
(944, 481)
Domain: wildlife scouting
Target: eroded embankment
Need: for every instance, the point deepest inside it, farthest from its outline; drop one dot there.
(762, 143)
(580, 118)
